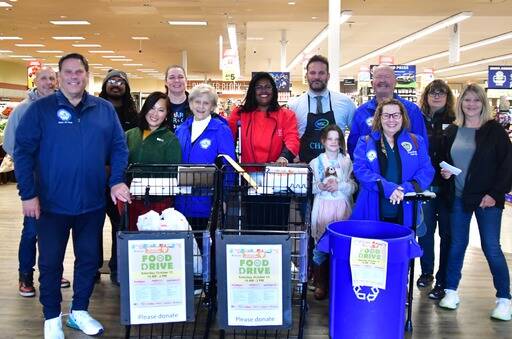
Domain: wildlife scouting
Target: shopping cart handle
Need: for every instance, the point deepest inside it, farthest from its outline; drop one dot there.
(419, 196)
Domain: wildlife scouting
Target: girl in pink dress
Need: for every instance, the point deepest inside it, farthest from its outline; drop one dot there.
(333, 187)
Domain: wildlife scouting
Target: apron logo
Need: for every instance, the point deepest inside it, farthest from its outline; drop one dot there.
(371, 155)
(160, 139)
(369, 121)
(205, 143)
(64, 116)
(320, 124)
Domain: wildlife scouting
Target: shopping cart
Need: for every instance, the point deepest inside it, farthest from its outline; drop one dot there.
(192, 191)
(262, 252)
(415, 198)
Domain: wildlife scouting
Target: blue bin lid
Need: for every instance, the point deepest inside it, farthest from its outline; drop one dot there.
(370, 229)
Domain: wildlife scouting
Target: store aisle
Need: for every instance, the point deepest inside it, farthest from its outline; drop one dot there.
(22, 317)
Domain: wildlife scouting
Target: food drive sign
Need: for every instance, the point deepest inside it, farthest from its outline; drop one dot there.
(157, 281)
(254, 285)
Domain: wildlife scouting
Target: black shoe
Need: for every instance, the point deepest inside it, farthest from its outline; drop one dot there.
(424, 280)
(113, 278)
(437, 293)
(97, 277)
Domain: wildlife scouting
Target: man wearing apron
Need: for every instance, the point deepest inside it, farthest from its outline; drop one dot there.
(319, 107)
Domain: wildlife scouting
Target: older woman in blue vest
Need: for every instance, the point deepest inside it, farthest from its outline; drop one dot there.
(389, 163)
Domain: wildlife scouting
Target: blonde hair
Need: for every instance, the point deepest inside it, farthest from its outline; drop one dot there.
(485, 115)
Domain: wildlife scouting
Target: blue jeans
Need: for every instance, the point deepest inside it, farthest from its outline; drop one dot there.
(489, 227)
(27, 249)
(435, 213)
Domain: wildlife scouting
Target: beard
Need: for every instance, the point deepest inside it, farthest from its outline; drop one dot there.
(115, 95)
(317, 86)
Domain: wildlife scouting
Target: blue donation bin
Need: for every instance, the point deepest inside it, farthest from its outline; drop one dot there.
(358, 311)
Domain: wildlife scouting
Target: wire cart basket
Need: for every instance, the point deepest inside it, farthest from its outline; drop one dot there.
(192, 191)
(267, 204)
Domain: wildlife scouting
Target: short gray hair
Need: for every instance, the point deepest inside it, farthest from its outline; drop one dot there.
(204, 89)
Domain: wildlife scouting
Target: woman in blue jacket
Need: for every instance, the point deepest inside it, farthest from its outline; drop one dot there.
(202, 138)
(389, 163)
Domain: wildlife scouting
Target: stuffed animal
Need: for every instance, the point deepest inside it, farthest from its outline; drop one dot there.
(330, 175)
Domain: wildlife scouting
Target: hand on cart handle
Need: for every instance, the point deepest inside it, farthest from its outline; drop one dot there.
(31, 208)
(120, 192)
(397, 196)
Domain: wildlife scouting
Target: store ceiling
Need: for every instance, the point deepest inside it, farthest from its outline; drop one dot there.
(375, 23)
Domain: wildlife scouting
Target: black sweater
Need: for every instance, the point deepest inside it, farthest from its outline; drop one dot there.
(490, 169)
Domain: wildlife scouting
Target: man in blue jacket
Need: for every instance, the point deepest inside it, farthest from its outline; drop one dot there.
(383, 83)
(63, 144)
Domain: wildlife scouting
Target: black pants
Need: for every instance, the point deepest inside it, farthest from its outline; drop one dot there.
(115, 221)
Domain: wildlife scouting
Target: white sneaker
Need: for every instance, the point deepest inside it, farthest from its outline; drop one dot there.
(81, 320)
(451, 299)
(53, 328)
(502, 311)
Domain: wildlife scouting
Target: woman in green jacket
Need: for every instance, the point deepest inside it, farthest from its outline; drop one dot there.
(152, 142)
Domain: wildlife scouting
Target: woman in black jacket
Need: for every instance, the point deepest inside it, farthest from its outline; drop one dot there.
(478, 146)
(438, 108)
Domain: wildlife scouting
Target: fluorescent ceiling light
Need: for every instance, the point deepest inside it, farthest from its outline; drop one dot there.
(474, 63)
(233, 42)
(20, 56)
(113, 56)
(463, 75)
(187, 23)
(29, 45)
(254, 38)
(140, 38)
(68, 38)
(5, 51)
(28, 59)
(48, 51)
(133, 64)
(95, 64)
(317, 40)
(5, 4)
(464, 48)
(412, 37)
(124, 59)
(101, 52)
(86, 45)
(70, 22)
(10, 38)
(51, 64)
(103, 67)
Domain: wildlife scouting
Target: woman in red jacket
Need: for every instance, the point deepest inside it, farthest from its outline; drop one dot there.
(268, 130)
(268, 134)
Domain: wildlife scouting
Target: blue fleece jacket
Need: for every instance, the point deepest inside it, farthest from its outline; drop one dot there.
(216, 139)
(61, 152)
(416, 174)
(363, 118)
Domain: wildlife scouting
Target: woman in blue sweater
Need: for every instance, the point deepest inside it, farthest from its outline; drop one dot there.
(202, 138)
(389, 163)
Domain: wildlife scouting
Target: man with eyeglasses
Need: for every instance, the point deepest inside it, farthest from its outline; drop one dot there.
(383, 83)
(318, 108)
(116, 90)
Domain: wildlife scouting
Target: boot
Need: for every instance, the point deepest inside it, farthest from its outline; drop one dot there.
(321, 276)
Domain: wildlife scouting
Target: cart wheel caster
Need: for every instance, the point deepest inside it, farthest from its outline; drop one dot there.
(408, 326)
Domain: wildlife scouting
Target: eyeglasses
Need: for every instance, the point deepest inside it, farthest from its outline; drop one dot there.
(394, 116)
(437, 94)
(263, 88)
(115, 82)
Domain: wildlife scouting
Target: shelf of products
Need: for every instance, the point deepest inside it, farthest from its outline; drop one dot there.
(406, 93)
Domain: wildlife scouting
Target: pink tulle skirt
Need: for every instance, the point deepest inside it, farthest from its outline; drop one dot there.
(326, 211)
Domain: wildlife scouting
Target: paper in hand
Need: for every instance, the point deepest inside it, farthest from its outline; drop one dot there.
(452, 169)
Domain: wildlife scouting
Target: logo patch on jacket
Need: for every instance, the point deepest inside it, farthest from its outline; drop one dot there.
(408, 147)
(371, 155)
(369, 121)
(205, 143)
(64, 116)
(160, 139)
